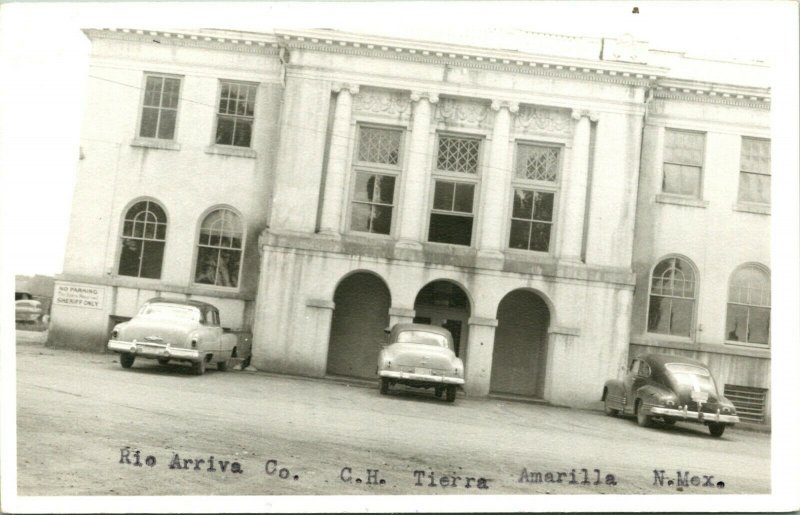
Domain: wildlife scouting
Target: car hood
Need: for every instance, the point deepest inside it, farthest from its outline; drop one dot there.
(173, 332)
(416, 355)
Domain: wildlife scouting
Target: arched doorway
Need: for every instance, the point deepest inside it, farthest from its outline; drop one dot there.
(445, 304)
(361, 313)
(519, 357)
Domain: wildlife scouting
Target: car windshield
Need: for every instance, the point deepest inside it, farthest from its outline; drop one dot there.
(423, 338)
(697, 378)
(170, 312)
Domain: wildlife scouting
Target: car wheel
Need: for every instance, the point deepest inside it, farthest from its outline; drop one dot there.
(642, 418)
(222, 366)
(199, 368)
(246, 363)
(163, 361)
(438, 392)
(668, 421)
(384, 386)
(716, 429)
(451, 394)
(611, 412)
(126, 360)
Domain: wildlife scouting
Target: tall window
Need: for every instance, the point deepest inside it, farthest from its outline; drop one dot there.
(755, 171)
(672, 295)
(219, 251)
(683, 162)
(144, 232)
(160, 107)
(748, 306)
(455, 180)
(536, 171)
(235, 114)
(377, 166)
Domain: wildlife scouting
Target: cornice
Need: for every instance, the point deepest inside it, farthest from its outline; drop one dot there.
(264, 44)
(709, 92)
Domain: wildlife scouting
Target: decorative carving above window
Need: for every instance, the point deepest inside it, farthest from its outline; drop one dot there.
(463, 113)
(396, 105)
(537, 119)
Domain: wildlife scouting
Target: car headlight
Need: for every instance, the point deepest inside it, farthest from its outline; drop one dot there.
(669, 401)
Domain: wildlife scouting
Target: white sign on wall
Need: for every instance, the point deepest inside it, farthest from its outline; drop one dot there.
(79, 295)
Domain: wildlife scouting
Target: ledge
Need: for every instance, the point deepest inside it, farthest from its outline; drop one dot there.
(712, 348)
(665, 198)
(320, 303)
(160, 144)
(402, 312)
(753, 207)
(567, 331)
(155, 285)
(221, 150)
(489, 322)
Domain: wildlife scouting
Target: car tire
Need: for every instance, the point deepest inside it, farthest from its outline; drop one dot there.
(450, 394)
(222, 366)
(611, 412)
(163, 361)
(641, 418)
(384, 386)
(716, 429)
(438, 392)
(668, 421)
(126, 360)
(199, 367)
(246, 363)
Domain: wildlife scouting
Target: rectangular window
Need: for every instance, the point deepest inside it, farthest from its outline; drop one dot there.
(683, 162)
(379, 146)
(755, 171)
(160, 107)
(531, 220)
(458, 154)
(235, 114)
(536, 163)
(451, 217)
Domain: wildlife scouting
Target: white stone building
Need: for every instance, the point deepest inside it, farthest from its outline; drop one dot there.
(319, 186)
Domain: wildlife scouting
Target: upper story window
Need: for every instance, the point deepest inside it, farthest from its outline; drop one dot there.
(672, 295)
(455, 180)
(235, 114)
(219, 251)
(144, 233)
(160, 107)
(748, 306)
(683, 163)
(377, 167)
(755, 171)
(536, 174)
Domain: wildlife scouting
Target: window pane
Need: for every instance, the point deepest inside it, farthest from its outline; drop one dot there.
(756, 155)
(523, 204)
(206, 270)
(149, 122)
(152, 91)
(365, 183)
(672, 179)
(251, 100)
(537, 163)
(384, 189)
(458, 154)
(224, 130)
(166, 127)
(520, 234)
(381, 219)
(543, 206)
(127, 228)
(658, 315)
(540, 236)
(736, 325)
(443, 196)
(684, 147)
(152, 256)
(754, 187)
(129, 257)
(452, 229)
(690, 181)
(359, 217)
(170, 97)
(464, 197)
(758, 326)
(379, 145)
(244, 128)
(150, 230)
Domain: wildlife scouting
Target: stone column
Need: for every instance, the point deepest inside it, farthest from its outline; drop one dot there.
(573, 197)
(478, 367)
(412, 209)
(497, 182)
(337, 160)
(318, 318)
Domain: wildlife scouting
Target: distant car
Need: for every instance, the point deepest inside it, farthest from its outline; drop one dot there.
(668, 389)
(420, 356)
(175, 330)
(28, 311)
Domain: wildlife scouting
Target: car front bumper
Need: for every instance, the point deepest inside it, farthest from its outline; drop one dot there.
(419, 378)
(685, 414)
(153, 350)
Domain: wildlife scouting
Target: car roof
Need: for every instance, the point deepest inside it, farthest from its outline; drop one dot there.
(203, 306)
(660, 360)
(422, 327)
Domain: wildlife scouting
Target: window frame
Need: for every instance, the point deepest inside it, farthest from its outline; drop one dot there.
(701, 166)
(695, 300)
(357, 166)
(120, 237)
(196, 249)
(739, 198)
(748, 344)
(138, 128)
(217, 114)
(534, 185)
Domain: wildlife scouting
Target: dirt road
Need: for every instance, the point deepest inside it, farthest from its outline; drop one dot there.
(80, 415)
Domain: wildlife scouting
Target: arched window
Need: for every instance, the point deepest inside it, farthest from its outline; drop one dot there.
(672, 295)
(219, 252)
(144, 232)
(748, 306)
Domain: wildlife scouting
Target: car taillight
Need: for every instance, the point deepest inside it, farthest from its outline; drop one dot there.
(114, 334)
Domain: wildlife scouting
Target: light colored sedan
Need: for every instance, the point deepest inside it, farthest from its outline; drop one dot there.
(175, 330)
(420, 356)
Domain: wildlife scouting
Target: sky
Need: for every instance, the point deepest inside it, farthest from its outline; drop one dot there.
(44, 59)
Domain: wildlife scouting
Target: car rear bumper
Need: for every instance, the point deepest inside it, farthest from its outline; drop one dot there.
(153, 350)
(419, 378)
(685, 414)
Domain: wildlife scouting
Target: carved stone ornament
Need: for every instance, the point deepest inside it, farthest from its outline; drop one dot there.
(462, 112)
(539, 119)
(383, 102)
(339, 86)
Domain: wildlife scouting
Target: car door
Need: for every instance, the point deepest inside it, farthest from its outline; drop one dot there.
(634, 379)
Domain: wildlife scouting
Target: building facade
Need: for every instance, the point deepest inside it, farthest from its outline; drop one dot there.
(320, 186)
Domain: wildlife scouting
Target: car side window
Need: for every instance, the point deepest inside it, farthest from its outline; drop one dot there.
(644, 370)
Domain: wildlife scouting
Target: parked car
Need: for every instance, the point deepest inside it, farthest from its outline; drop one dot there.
(420, 356)
(28, 311)
(669, 388)
(175, 330)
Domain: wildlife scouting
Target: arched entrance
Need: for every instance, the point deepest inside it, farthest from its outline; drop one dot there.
(445, 304)
(519, 357)
(360, 315)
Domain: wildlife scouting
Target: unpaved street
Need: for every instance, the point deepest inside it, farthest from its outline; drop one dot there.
(77, 411)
